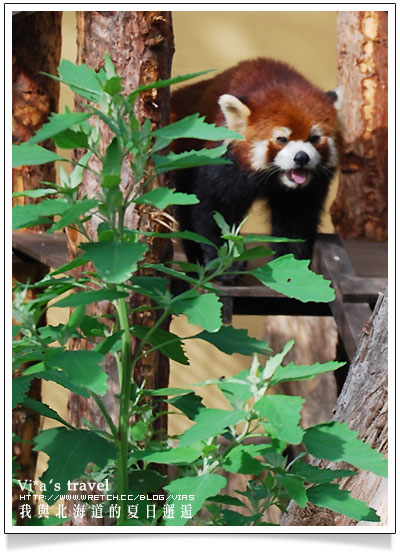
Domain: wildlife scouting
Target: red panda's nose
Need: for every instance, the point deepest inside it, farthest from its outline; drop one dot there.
(301, 158)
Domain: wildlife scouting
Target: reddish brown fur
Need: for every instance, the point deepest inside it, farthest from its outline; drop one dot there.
(276, 94)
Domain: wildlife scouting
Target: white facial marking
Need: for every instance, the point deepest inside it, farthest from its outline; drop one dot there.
(258, 157)
(285, 158)
(281, 132)
(333, 155)
(316, 130)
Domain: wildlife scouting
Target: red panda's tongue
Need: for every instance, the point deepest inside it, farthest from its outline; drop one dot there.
(298, 175)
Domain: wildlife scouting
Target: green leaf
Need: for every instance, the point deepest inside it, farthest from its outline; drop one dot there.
(177, 455)
(195, 127)
(293, 278)
(233, 518)
(254, 253)
(113, 85)
(58, 123)
(294, 487)
(274, 361)
(336, 442)
(112, 162)
(189, 403)
(71, 215)
(283, 415)
(265, 238)
(70, 452)
(203, 310)
(184, 235)
(338, 500)
(145, 481)
(82, 367)
(241, 459)
(115, 262)
(19, 387)
(61, 379)
(110, 344)
(82, 80)
(230, 341)
(236, 389)
(168, 391)
(34, 194)
(70, 139)
(163, 197)
(75, 178)
(226, 500)
(44, 410)
(168, 343)
(169, 271)
(29, 155)
(317, 475)
(209, 423)
(166, 82)
(153, 287)
(29, 215)
(293, 372)
(88, 297)
(190, 159)
(109, 66)
(73, 264)
(198, 487)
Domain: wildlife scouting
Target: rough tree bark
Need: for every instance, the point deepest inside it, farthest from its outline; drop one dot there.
(36, 47)
(363, 405)
(360, 208)
(140, 45)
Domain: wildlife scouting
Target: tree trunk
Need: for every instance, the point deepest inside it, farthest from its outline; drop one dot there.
(363, 406)
(36, 47)
(360, 208)
(315, 341)
(140, 45)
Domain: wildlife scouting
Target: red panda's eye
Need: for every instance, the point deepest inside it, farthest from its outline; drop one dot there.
(282, 140)
(314, 139)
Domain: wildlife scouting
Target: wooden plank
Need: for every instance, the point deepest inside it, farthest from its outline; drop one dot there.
(350, 309)
(49, 249)
(369, 259)
(331, 259)
(361, 289)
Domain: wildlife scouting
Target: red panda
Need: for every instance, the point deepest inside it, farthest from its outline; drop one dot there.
(289, 154)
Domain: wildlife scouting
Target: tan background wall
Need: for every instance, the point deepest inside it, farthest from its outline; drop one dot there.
(207, 40)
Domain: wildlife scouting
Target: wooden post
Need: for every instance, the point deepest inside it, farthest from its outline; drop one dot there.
(140, 45)
(360, 208)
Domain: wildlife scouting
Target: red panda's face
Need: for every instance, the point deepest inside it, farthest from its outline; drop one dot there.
(294, 157)
(287, 141)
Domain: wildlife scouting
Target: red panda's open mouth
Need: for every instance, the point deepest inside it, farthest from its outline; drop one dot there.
(298, 176)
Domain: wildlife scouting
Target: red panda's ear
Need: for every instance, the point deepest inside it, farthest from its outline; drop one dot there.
(336, 96)
(236, 113)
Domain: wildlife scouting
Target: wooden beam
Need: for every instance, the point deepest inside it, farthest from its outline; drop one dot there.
(331, 259)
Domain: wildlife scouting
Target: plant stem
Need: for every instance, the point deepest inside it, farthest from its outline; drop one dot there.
(122, 465)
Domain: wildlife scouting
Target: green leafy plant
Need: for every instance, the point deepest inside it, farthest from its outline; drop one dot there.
(128, 451)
